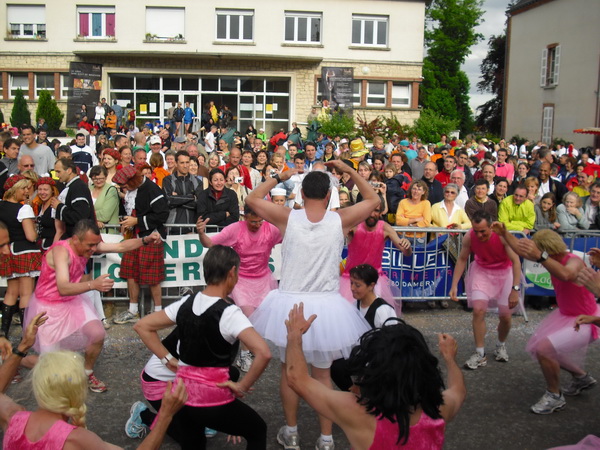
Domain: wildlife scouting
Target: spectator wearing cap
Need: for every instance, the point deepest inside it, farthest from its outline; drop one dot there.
(156, 146)
(261, 134)
(409, 152)
(46, 190)
(359, 152)
(178, 143)
(146, 210)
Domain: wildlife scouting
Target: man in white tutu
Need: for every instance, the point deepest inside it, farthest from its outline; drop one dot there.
(493, 280)
(253, 240)
(73, 323)
(311, 253)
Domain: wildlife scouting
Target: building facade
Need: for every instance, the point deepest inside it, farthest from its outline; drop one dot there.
(262, 58)
(553, 70)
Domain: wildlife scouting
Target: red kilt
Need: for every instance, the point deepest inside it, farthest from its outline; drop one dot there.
(145, 265)
(20, 264)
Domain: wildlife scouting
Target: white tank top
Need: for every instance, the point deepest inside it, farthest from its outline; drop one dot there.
(311, 253)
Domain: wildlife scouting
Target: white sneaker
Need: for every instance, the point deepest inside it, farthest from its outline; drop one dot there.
(501, 354)
(289, 442)
(549, 403)
(320, 445)
(126, 317)
(476, 361)
(579, 384)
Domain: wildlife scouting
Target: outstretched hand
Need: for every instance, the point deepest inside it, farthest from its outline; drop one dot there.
(173, 400)
(32, 328)
(448, 346)
(499, 228)
(201, 225)
(296, 321)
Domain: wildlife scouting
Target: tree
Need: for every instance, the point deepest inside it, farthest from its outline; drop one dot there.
(431, 125)
(492, 81)
(20, 114)
(1, 116)
(449, 36)
(48, 109)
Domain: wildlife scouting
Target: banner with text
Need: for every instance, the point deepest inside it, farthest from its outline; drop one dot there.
(85, 84)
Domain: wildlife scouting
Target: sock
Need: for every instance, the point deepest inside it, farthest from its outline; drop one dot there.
(480, 351)
(500, 344)
(326, 438)
(291, 430)
(157, 308)
(133, 308)
(244, 352)
(88, 372)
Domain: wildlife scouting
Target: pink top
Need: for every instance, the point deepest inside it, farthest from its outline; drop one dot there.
(490, 254)
(572, 299)
(426, 434)
(47, 289)
(55, 437)
(366, 247)
(505, 170)
(254, 248)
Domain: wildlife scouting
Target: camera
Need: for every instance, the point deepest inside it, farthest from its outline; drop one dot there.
(238, 180)
(375, 184)
(272, 173)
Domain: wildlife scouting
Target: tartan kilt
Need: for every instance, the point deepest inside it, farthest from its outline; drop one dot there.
(145, 265)
(20, 264)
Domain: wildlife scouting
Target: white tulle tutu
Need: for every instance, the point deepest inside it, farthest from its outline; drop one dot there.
(332, 335)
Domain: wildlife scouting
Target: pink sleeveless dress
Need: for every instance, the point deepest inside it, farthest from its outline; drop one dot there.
(367, 247)
(426, 434)
(55, 437)
(570, 346)
(67, 315)
(490, 274)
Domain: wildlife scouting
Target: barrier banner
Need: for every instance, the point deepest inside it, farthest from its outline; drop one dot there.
(183, 261)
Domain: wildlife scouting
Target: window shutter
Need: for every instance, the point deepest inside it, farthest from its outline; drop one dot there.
(544, 67)
(556, 64)
(110, 24)
(84, 24)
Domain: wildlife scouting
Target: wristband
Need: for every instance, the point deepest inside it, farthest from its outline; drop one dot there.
(19, 353)
(143, 241)
(166, 359)
(276, 178)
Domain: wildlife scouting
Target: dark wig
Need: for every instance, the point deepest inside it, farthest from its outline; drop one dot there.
(396, 373)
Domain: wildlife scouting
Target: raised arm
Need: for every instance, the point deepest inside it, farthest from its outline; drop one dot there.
(355, 214)
(128, 244)
(454, 395)
(275, 214)
(401, 244)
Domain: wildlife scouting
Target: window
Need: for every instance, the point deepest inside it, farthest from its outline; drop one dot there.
(356, 92)
(19, 80)
(27, 21)
(96, 22)
(235, 25)
(369, 30)
(302, 27)
(376, 93)
(401, 95)
(65, 82)
(550, 63)
(547, 124)
(165, 23)
(44, 82)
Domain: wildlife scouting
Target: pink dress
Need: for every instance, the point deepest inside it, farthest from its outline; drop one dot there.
(67, 315)
(569, 346)
(55, 437)
(255, 277)
(426, 434)
(490, 275)
(367, 247)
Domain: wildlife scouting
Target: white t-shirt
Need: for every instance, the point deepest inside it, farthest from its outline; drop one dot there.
(26, 212)
(232, 323)
(382, 313)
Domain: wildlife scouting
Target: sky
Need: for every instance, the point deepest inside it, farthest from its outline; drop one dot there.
(494, 18)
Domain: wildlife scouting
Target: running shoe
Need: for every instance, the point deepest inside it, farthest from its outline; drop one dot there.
(126, 317)
(209, 432)
(96, 385)
(579, 384)
(500, 353)
(549, 403)
(106, 324)
(476, 361)
(289, 442)
(245, 361)
(320, 445)
(134, 428)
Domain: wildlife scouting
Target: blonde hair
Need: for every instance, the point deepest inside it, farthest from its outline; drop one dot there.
(25, 182)
(60, 385)
(550, 241)
(31, 176)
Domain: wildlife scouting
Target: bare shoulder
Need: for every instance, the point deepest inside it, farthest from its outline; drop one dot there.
(80, 438)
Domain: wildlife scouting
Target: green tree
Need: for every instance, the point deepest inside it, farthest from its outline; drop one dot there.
(48, 109)
(337, 124)
(431, 125)
(449, 36)
(492, 81)
(20, 114)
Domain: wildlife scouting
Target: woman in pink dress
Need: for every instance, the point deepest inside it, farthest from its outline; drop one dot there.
(556, 344)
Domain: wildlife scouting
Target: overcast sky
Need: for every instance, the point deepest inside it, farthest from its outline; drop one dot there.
(494, 18)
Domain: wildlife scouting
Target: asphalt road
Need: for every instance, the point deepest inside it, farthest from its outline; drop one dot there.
(495, 415)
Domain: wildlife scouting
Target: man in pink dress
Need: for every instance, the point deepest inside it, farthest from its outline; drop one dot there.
(493, 280)
(366, 245)
(253, 239)
(73, 323)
